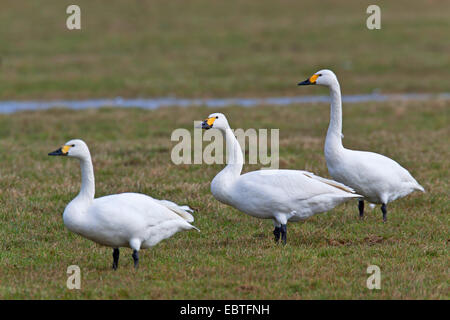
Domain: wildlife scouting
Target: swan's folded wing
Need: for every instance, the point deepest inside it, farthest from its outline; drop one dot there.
(120, 208)
(293, 184)
(329, 182)
(182, 211)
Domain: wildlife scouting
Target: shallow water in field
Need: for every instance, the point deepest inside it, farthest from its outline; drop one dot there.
(155, 103)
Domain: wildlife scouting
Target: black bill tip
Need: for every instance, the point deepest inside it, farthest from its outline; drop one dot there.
(305, 83)
(57, 153)
(205, 125)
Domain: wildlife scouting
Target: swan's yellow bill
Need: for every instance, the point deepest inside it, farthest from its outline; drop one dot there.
(210, 121)
(65, 149)
(313, 78)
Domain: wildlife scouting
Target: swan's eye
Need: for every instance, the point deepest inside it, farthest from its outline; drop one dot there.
(320, 74)
(72, 145)
(217, 117)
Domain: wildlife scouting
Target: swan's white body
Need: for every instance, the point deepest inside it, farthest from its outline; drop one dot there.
(376, 177)
(379, 179)
(121, 220)
(280, 195)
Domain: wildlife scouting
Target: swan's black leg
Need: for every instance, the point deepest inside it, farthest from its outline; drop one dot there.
(277, 233)
(115, 258)
(135, 256)
(384, 210)
(283, 233)
(361, 208)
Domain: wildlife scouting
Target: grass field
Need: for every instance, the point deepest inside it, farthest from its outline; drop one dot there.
(237, 48)
(234, 256)
(219, 48)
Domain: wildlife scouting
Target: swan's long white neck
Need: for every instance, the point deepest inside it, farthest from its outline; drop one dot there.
(75, 213)
(87, 191)
(222, 183)
(333, 142)
(235, 158)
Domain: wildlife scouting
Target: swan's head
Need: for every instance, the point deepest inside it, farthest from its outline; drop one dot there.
(74, 148)
(216, 121)
(323, 77)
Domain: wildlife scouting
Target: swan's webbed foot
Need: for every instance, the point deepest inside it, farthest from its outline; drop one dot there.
(384, 210)
(135, 256)
(361, 209)
(276, 233)
(115, 258)
(283, 233)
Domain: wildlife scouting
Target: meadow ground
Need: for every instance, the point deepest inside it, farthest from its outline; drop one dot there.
(234, 255)
(202, 48)
(236, 48)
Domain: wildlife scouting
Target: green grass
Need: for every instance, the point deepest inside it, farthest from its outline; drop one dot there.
(201, 48)
(234, 256)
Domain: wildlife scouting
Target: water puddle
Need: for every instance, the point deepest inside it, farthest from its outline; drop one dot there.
(155, 103)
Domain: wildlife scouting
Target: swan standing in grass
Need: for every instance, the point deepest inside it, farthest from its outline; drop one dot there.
(379, 179)
(280, 195)
(130, 220)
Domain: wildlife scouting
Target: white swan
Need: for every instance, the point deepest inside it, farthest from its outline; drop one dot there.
(121, 220)
(280, 195)
(379, 179)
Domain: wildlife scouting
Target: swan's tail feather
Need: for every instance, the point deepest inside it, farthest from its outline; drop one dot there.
(419, 188)
(357, 195)
(332, 183)
(351, 195)
(187, 208)
(182, 211)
